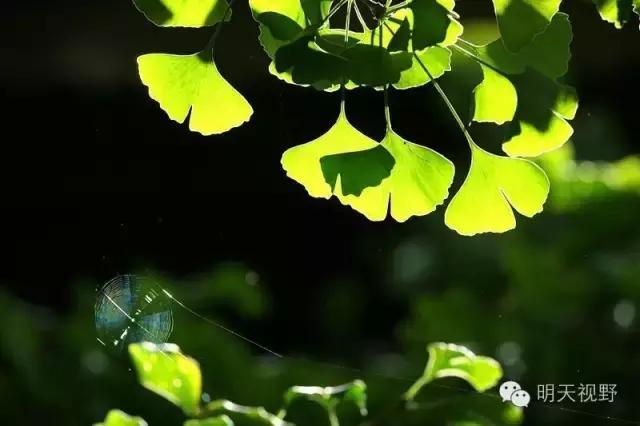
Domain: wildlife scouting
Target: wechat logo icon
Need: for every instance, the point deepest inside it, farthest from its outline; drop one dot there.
(513, 392)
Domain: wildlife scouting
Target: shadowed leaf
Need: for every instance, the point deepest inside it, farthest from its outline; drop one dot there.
(521, 20)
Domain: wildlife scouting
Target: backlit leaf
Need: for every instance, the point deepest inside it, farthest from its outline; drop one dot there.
(184, 84)
(521, 20)
(163, 369)
(183, 13)
(493, 186)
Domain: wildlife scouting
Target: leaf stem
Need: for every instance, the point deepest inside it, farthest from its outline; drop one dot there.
(212, 41)
(387, 111)
(443, 95)
(256, 413)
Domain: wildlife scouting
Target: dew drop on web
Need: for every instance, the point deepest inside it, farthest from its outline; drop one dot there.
(131, 309)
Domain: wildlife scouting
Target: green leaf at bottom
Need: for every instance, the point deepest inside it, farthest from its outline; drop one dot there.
(163, 369)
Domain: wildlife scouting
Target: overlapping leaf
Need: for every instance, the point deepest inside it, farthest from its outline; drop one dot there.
(526, 85)
(521, 20)
(184, 84)
(417, 184)
(302, 163)
(492, 188)
(375, 179)
(184, 13)
(305, 51)
(395, 35)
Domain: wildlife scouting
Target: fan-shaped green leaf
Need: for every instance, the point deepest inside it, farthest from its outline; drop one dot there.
(212, 421)
(493, 186)
(163, 369)
(418, 182)
(521, 20)
(448, 360)
(302, 163)
(184, 13)
(120, 418)
(192, 83)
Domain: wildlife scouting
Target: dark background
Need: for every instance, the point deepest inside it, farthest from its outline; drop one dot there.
(97, 181)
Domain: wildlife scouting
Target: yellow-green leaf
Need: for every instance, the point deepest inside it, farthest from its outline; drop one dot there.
(183, 13)
(496, 99)
(192, 83)
(493, 186)
(163, 369)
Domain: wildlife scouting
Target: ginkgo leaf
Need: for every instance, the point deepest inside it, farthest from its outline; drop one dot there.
(120, 418)
(528, 91)
(418, 182)
(184, 13)
(184, 84)
(521, 20)
(496, 99)
(493, 186)
(302, 163)
(163, 369)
